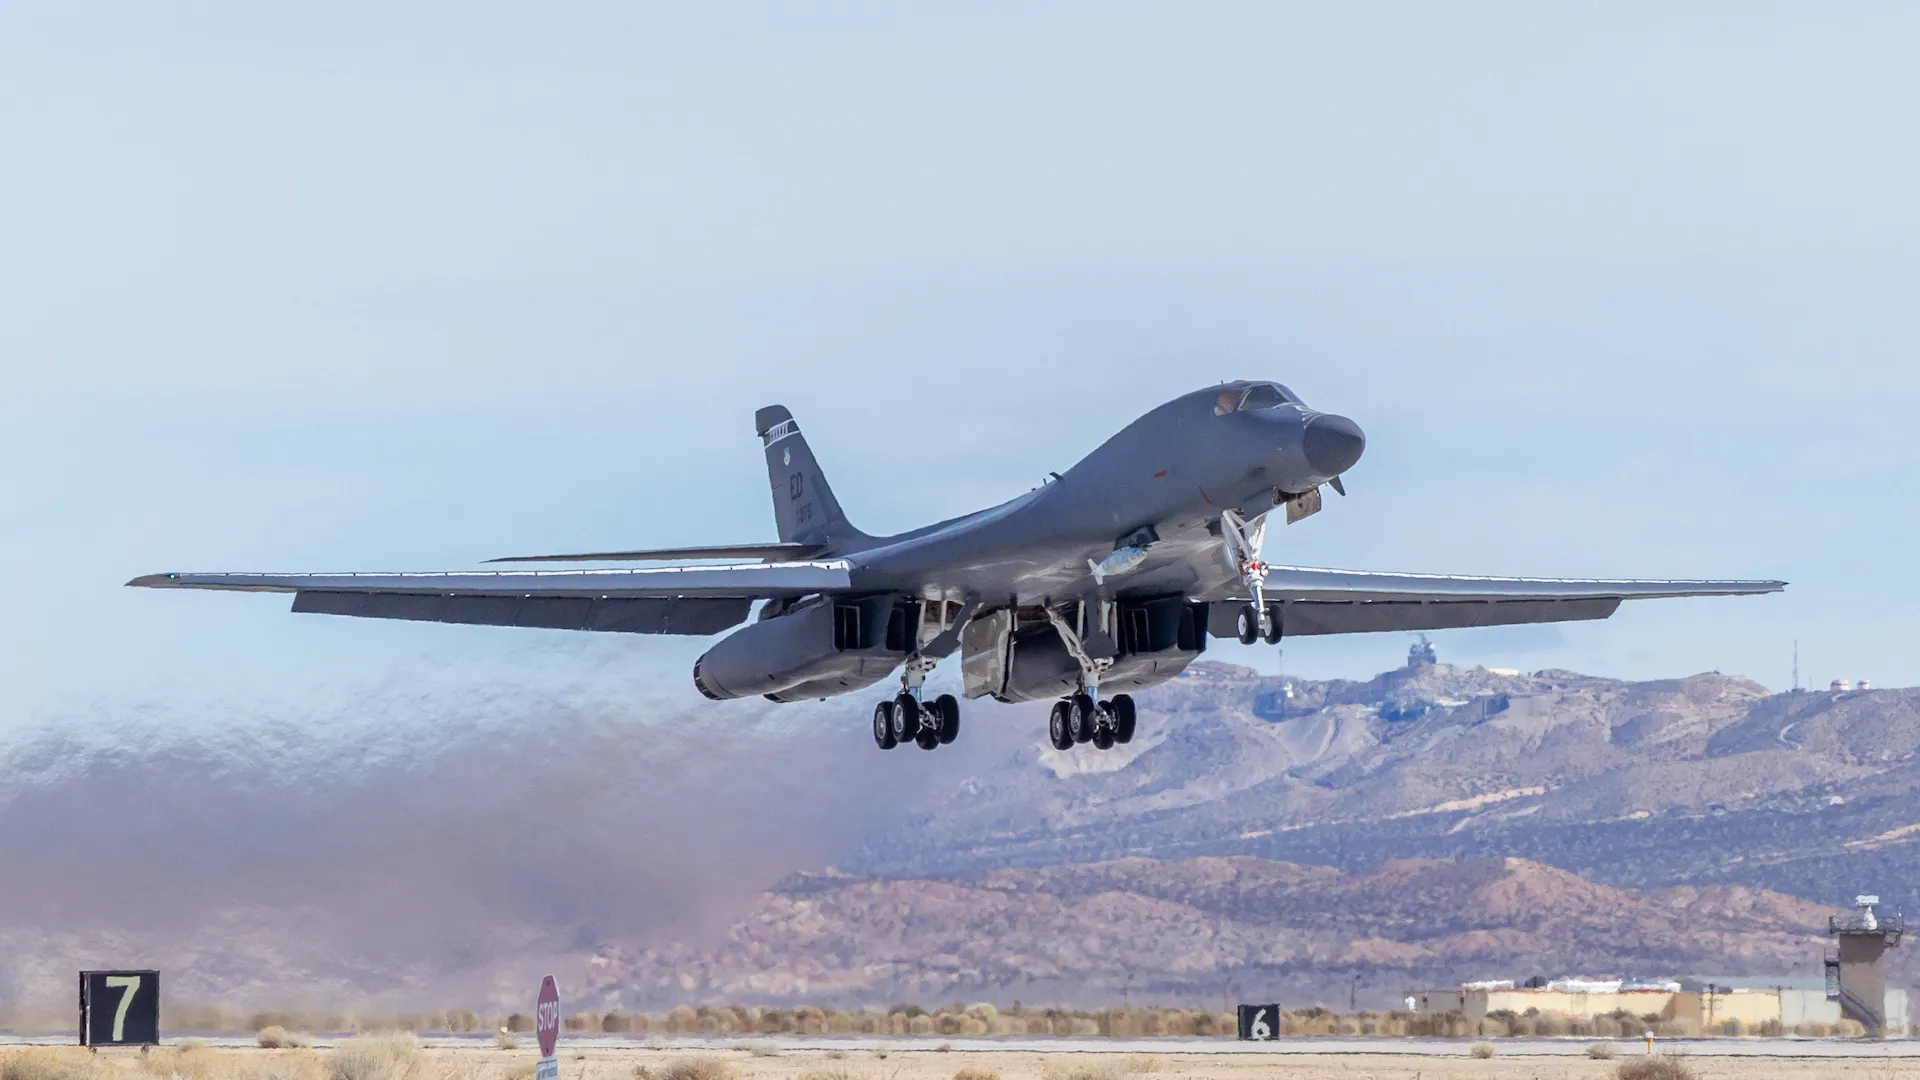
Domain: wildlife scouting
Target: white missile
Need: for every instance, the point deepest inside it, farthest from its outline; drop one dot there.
(1121, 561)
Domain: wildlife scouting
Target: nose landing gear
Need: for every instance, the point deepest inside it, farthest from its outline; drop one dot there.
(1259, 620)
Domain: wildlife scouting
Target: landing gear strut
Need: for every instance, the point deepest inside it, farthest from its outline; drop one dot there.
(906, 718)
(1083, 717)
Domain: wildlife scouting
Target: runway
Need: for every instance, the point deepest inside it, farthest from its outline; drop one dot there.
(1013, 1044)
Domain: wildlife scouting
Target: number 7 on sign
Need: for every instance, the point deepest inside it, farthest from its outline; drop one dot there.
(129, 986)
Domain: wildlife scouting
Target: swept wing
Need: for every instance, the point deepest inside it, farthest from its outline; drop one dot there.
(1324, 601)
(642, 600)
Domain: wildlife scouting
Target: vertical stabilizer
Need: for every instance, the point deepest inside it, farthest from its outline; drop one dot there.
(804, 508)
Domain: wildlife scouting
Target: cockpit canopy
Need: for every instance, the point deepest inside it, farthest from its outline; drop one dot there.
(1245, 397)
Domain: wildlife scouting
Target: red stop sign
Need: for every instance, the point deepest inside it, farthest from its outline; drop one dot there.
(546, 1016)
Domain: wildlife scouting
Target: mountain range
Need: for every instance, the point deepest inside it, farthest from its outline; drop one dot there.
(1429, 825)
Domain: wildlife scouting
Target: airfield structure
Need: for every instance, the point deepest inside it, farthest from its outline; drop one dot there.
(1857, 973)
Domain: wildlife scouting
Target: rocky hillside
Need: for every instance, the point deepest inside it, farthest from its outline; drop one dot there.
(433, 851)
(1707, 779)
(1197, 930)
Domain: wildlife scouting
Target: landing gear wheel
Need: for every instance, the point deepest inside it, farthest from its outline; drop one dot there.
(946, 709)
(883, 726)
(927, 740)
(1123, 718)
(1274, 630)
(1084, 717)
(906, 718)
(1060, 726)
(1247, 625)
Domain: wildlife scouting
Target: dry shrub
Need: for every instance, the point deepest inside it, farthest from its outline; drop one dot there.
(1141, 1063)
(763, 1049)
(976, 1074)
(51, 1063)
(1600, 1051)
(523, 1070)
(193, 1061)
(1659, 1067)
(504, 1040)
(395, 1057)
(1098, 1069)
(838, 1072)
(695, 1068)
(1481, 1050)
(836, 1055)
(275, 1037)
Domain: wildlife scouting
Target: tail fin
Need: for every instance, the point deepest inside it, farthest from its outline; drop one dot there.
(804, 508)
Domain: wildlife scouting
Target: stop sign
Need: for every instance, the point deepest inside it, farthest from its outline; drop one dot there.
(546, 1016)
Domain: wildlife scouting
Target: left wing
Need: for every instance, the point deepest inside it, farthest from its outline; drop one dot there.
(1320, 601)
(648, 600)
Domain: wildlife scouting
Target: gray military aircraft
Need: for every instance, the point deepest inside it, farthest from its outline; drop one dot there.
(1106, 579)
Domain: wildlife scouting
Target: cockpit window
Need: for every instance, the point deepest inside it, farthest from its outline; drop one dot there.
(1256, 396)
(1262, 396)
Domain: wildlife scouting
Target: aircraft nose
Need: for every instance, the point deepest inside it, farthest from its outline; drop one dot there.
(1332, 444)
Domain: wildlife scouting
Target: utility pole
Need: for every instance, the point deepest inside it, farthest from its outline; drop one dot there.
(1796, 665)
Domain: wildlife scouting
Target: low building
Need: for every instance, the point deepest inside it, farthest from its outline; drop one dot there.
(1708, 1006)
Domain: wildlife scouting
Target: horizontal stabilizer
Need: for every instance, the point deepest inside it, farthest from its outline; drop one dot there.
(767, 552)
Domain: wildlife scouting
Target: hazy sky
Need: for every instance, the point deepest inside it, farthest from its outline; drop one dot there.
(1614, 289)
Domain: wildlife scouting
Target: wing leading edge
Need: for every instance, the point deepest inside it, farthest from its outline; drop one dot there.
(1320, 601)
(651, 600)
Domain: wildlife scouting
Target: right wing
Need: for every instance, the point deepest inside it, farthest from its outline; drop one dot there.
(652, 600)
(1319, 601)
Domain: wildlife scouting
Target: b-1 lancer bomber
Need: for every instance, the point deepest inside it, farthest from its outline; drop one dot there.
(1105, 579)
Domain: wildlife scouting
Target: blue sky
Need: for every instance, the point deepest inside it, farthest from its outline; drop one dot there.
(1615, 290)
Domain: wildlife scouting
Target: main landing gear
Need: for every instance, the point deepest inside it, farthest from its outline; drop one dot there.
(905, 718)
(1083, 717)
(1079, 719)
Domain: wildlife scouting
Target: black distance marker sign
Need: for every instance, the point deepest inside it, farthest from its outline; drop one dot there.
(1260, 1022)
(119, 1008)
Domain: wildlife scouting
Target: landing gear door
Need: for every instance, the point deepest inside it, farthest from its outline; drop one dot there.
(986, 648)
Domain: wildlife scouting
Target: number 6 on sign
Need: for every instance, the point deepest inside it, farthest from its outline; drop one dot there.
(128, 985)
(1257, 1021)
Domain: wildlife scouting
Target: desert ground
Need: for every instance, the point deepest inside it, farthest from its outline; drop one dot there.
(376, 1059)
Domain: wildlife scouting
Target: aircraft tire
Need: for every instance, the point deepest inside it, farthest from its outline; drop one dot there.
(927, 740)
(1103, 738)
(1248, 624)
(906, 718)
(883, 736)
(1123, 718)
(947, 709)
(1060, 726)
(1275, 629)
(1084, 718)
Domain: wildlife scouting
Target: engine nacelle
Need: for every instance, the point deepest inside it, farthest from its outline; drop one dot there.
(818, 649)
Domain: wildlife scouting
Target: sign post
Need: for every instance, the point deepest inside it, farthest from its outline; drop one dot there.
(546, 1028)
(119, 1008)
